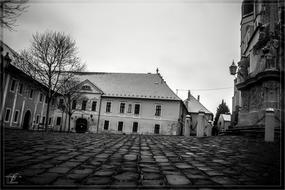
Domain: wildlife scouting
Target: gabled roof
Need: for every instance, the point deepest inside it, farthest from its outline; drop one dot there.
(226, 117)
(130, 85)
(194, 106)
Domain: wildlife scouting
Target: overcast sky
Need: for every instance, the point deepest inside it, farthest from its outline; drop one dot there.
(191, 42)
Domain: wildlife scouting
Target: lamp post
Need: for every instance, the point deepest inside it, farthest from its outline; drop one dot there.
(233, 68)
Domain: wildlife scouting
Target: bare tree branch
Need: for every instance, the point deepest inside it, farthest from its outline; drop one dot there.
(52, 60)
(10, 10)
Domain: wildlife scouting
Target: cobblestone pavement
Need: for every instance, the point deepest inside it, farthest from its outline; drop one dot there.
(121, 161)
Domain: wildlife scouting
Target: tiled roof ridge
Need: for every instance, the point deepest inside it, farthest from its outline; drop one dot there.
(193, 98)
(93, 72)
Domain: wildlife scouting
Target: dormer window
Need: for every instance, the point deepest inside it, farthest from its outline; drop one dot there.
(86, 87)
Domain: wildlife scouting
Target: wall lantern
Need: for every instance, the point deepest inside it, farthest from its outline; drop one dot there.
(233, 68)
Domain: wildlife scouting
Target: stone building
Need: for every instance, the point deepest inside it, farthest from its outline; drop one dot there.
(125, 103)
(194, 107)
(23, 102)
(257, 86)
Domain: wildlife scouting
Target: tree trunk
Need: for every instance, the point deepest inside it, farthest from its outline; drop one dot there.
(47, 114)
(65, 118)
(69, 117)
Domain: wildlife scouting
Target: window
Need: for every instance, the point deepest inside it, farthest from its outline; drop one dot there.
(108, 107)
(7, 115)
(58, 120)
(120, 126)
(60, 103)
(156, 129)
(43, 120)
(106, 125)
(31, 93)
(41, 97)
(94, 104)
(74, 104)
(83, 107)
(37, 119)
(135, 127)
(130, 108)
(122, 108)
(86, 87)
(21, 88)
(49, 120)
(46, 100)
(157, 110)
(16, 116)
(137, 108)
(13, 85)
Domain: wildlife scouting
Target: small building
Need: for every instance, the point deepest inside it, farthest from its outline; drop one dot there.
(23, 99)
(224, 122)
(139, 103)
(194, 106)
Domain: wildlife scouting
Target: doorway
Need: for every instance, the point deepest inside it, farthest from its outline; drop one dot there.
(81, 125)
(27, 118)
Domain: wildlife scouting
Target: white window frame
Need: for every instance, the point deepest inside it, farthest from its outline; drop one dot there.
(6, 114)
(30, 93)
(124, 111)
(15, 86)
(19, 86)
(160, 110)
(110, 111)
(139, 109)
(15, 116)
(38, 118)
(122, 125)
(108, 125)
(95, 105)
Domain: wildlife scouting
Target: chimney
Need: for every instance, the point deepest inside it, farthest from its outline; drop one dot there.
(189, 94)
(198, 98)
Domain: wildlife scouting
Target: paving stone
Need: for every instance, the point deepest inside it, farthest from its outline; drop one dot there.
(183, 166)
(104, 173)
(77, 177)
(98, 181)
(82, 171)
(127, 176)
(64, 182)
(223, 180)
(31, 172)
(151, 176)
(44, 179)
(177, 180)
(130, 157)
(153, 183)
(59, 170)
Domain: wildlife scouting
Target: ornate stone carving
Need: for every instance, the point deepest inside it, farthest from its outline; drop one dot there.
(245, 100)
(242, 73)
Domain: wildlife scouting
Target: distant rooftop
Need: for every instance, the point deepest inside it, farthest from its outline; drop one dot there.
(130, 85)
(194, 106)
(226, 117)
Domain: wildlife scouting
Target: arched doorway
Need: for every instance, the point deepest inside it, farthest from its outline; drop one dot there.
(27, 118)
(81, 125)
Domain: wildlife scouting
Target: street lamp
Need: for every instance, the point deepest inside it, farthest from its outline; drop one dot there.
(233, 68)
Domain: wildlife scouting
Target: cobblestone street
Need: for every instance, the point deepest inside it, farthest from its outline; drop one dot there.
(113, 160)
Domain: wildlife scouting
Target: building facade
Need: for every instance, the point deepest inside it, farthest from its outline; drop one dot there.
(124, 103)
(23, 100)
(194, 108)
(259, 83)
(224, 122)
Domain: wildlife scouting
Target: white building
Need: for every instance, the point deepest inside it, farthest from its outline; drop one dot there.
(224, 122)
(125, 103)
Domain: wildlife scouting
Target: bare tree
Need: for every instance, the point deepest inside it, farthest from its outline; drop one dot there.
(52, 60)
(10, 10)
(71, 95)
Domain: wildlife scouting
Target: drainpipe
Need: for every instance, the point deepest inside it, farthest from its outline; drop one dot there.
(99, 113)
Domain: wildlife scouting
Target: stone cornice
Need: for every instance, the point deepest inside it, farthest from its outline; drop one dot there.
(265, 75)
